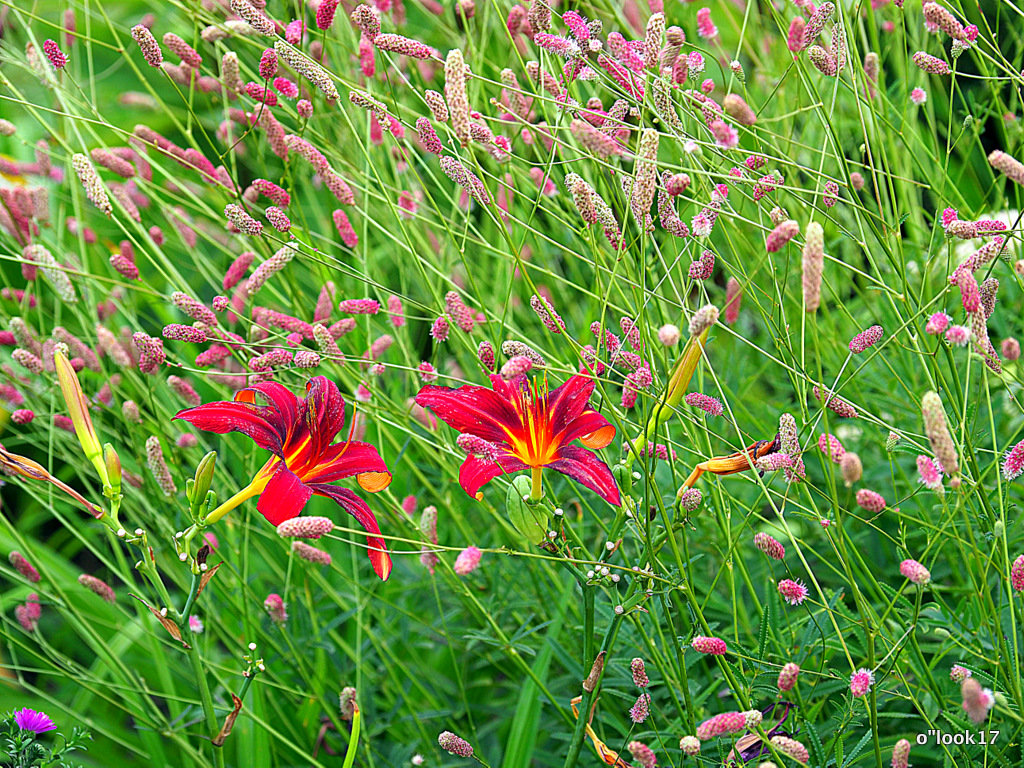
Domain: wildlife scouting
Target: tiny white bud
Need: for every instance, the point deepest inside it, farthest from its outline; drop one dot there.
(559, 512)
(121, 533)
(615, 578)
(163, 611)
(183, 556)
(139, 531)
(636, 475)
(609, 545)
(252, 646)
(551, 534)
(261, 668)
(619, 610)
(204, 567)
(604, 570)
(590, 574)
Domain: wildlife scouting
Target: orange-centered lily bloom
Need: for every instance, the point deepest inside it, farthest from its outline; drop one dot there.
(514, 427)
(299, 434)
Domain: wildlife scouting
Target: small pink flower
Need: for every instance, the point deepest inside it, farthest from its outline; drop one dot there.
(918, 96)
(958, 674)
(793, 592)
(706, 403)
(870, 500)
(640, 710)
(931, 475)
(958, 335)
(1013, 462)
(643, 754)
(305, 527)
(454, 745)
(1017, 574)
(715, 646)
(866, 339)
(977, 701)
(915, 572)
(691, 499)
(359, 306)
(467, 561)
(57, 57)
(440, 328)
(861, 682)
(286, 87)
(830, 446)
(23, 567)
(726, 722)
(769, 545)
(937, 323)
(640, 679)
(787, 676)
(22, 416)
(275, 607)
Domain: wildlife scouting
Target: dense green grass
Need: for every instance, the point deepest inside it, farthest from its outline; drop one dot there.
(496, 655)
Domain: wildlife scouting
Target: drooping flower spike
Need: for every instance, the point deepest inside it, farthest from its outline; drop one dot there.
(299, 434)
(737, 461)
(528, 427)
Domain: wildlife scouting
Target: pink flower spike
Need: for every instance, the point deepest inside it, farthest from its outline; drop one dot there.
(915, 572)
(787, 676)
(866, 339)
(715, 646)
(769, 545)
(57, 57)
(467, 561)
(830, 446)
(709, 405)
(870, 500)
(918, 96)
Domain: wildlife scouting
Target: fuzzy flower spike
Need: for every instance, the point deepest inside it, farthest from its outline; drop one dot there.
(515, 426)
(299, 434)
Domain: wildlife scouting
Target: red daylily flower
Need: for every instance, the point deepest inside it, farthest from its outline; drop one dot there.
(527, 428)
(299, 434)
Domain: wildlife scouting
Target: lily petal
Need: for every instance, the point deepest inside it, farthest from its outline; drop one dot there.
(592, 429)
(258, 422)
(325, 412)
(345, 460)
(474, 410)
(566, 403)
(355, 506)
(475, 472)
(585, 468)
(284, 497)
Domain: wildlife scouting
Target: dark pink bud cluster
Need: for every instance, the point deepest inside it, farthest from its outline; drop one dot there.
(706, 403)
(193, 308)
(719, 725)
(189, 333)
(866, 339)
(702, 268)
(870, 500)
(715, 646)
(58, 59)
(769, 545)
(151, 352)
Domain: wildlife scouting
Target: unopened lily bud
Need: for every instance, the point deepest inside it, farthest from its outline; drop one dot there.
(78, 409)
(203, 479)
(113, 464)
